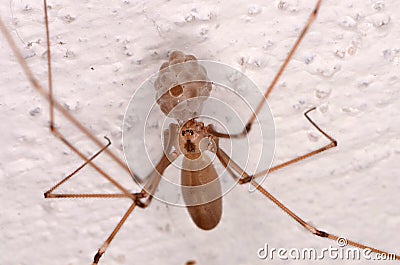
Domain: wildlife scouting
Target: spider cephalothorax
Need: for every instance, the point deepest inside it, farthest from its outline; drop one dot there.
(194, 138)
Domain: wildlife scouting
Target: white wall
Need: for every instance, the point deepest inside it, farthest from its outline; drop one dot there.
(351, 190)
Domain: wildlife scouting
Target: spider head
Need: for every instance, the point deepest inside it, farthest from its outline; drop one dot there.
(193, 139)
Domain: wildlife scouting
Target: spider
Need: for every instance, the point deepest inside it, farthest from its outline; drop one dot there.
(222, 157)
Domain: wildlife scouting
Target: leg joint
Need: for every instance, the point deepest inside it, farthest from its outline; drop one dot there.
(245, 180)
(97, 257)
(321, 233)
(142, 204)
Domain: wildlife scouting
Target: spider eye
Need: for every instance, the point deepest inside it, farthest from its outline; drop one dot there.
(183, 133)
(191, 132)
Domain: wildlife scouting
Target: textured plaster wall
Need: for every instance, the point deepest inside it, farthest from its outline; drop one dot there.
(348, 66)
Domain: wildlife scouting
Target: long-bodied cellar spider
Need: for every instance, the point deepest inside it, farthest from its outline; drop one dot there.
(80, 107)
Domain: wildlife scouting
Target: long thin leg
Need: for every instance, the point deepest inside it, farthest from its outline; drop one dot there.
(244, 177)
(311, 228)
(249, 123)
(49, 71)
(149, 189)
(168, 157)
(154, 179)
(54, 104)
(333, 143)
(50, 194)
(231, 166)
(87, 160)
(105, 245)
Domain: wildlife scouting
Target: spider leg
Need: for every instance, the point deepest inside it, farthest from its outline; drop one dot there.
(249, 123)
(155, 176)
(50, 194)
(54, 105)
(332, 143)
(232, 167)
(105, 245)
(147, 192)
(313, 229)
(244, 177)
